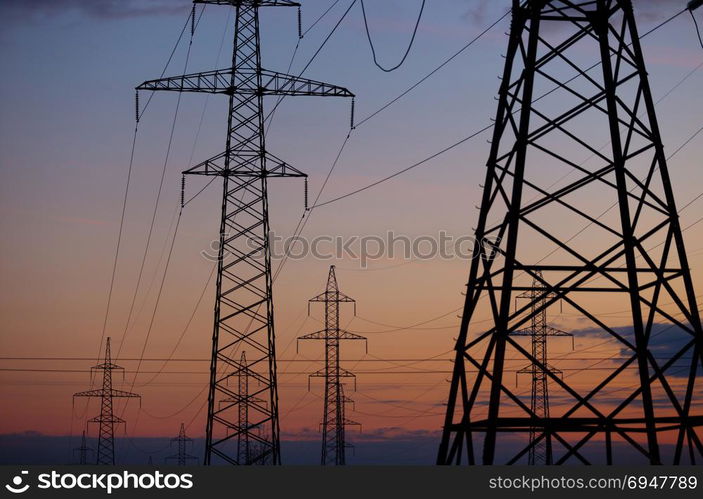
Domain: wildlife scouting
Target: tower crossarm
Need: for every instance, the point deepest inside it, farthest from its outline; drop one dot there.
(322, 373)
(273, 167)
(549, 331)
(109, 419)
(317, 335)
(274, 83)
(89, 393)
(338, 296)
(113, 393)
(530, 369)
(258, 3)
(124, 394)
(220, 81)
(333, 335)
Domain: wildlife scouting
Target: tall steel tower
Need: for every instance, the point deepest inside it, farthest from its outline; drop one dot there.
(83, 450)
(540, 450)
(107, 419)
(251, 438)
(610, 228)
(243, 302)
(333, 419)
(182, 440)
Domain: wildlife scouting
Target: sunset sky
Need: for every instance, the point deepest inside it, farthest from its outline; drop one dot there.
(66, 128)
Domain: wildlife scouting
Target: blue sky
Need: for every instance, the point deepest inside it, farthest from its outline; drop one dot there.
(66, 124)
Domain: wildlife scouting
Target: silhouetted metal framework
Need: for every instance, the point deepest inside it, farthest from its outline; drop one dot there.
(540, 442)
(247, 442)
(333, 419)
(83, 450)
(243, 303)
(182, 440)
(554, 108)
(107, 419)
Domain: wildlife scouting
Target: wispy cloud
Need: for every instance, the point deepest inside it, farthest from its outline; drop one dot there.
(478, 12)
(23, 10)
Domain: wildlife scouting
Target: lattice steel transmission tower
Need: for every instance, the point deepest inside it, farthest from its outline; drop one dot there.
(540, 442)
(610, 228)
(107, 419)
(243, 303)
(83, 450)
(182, 440)
(250, 441)
(333, 419)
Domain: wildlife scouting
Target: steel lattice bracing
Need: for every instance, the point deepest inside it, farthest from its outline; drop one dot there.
(333, 419)
(83, 450)
(243, 304)
(610, 228)
(249, 442)
(107, 419)
(540, 441)
(182, 440)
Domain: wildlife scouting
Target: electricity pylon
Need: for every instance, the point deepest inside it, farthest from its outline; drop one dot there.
(182, 440)
(540, 450)
(345, 421)
(243, 303)
(610, 228)
(250, 438)
(83, 450)
(107, 419)
(333, 420)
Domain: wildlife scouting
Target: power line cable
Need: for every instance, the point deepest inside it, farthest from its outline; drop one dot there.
(158, 195)
(119, 242)
(435, 70)
(319, 18)
(407, 51)
(404, 170)
(271, 115)
(474, 134)
(314, 56)
(698, 31)
(173, 52)
(643, 35)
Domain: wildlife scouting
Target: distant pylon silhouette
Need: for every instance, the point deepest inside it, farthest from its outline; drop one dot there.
(182, 440)
(345, 421)
(107, 419)
(83, 450)
(607, 220)
(244, 312)
(540, 441)
(334, 420)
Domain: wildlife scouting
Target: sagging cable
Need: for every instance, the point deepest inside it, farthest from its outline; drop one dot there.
(693, 5)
